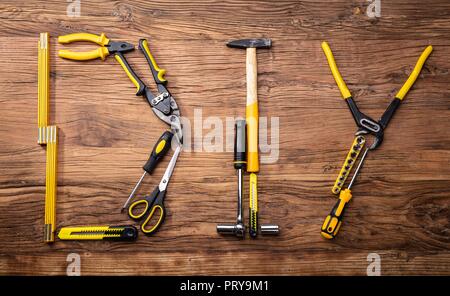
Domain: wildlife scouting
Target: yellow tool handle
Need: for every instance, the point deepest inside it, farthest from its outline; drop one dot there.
(157, 72)
(140, 86)
(415, 73)
(69, 38)
(252, 118)
(334, 70)
(101, 52)
(251, 111)
(153, 209)
(114, 233)
(333, 221)
(253, 211)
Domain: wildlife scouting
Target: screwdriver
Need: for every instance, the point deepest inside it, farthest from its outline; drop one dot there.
(333, 221)
(159, 150)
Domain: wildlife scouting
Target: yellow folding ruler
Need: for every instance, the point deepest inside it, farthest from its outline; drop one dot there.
(47, 135)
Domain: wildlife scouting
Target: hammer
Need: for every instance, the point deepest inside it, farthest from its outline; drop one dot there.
(240, 162)
(252, 118)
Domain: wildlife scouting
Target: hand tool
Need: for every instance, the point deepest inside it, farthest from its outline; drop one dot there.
(366, 126)
(106, 48)
(163, 104)
(47, 135)
(252, 117)
(240, 162)
(333, 221)
(112, 233)
(159, 150)
(43, 86)
(50, 183)
(155, 201)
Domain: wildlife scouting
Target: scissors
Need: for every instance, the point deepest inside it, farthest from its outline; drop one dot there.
(154, 202)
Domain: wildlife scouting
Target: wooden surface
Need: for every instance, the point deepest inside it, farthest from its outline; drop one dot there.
(401, 200)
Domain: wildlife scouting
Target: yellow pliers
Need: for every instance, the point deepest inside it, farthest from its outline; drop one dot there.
(106, 48)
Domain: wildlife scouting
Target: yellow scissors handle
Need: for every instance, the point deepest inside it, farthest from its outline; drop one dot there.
(153, 205)
(131, 211)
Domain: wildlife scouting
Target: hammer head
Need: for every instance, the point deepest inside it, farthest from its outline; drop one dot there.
(251, 43)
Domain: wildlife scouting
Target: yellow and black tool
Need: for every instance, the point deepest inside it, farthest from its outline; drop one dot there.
(159, 150)
(333, 221)
(366, 126)
(106, 48)
(113, 233)
(153, 213)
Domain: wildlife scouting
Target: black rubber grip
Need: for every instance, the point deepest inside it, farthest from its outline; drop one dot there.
(156, 156)
(240, 155)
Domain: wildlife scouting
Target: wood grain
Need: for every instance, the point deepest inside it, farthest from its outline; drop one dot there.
(401, 200)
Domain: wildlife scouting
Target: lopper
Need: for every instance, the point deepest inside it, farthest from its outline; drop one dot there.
(366, 126)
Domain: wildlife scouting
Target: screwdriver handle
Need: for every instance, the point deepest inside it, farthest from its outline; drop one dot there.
(333, 221)
(240, 157)
(159, 150)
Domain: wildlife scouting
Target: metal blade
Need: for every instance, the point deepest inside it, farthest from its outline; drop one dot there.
(169, 170)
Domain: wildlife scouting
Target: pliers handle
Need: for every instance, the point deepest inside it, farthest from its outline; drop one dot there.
(157, 72)
(106, 48)
(367, 125)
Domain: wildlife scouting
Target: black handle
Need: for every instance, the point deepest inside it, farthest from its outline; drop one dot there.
(390, 111)
(140, 86)
(157, 72)
(159, 150)
(240, 155)
(127, 233)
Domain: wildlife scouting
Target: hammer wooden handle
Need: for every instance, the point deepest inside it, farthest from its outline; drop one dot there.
(252, 116)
